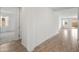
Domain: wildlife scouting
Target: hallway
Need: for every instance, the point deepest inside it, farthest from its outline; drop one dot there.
(59, 43)
(37, 28)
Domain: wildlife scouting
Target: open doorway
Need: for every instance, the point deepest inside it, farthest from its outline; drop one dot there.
(69, 27)
(9, 24)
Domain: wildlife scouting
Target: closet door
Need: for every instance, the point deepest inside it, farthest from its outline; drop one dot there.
(11, 28)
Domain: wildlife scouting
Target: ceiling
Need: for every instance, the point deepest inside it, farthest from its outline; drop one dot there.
(61, 8)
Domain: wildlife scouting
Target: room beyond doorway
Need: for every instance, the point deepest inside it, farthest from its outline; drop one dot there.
(9, 24)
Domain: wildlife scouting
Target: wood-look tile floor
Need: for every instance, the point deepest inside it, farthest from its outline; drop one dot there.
(59, 43)
(12, 46)
(53, 44)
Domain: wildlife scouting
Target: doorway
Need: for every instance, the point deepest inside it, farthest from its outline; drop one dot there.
(70, 33)
(9, 24)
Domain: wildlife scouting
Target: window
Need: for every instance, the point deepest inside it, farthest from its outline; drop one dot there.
(3, 21)
(75, 23)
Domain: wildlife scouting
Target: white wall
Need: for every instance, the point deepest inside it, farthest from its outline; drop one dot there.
(38, 24)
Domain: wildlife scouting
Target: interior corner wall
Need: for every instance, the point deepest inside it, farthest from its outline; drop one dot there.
(37, 25)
